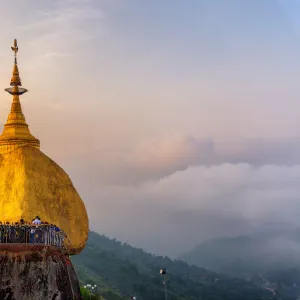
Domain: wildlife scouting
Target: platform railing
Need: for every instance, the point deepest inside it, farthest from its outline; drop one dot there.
(32, 234)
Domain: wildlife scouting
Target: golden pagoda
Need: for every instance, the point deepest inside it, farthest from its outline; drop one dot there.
(31, 183)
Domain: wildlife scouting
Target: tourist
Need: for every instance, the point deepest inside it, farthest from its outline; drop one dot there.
(8, 232)
(45, 233)
(5, 232)
(52, 234)
(57, 236)
(37, 221)
(47, 230)
(32, 231)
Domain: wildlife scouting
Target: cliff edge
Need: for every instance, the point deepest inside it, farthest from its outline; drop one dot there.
(36, 272)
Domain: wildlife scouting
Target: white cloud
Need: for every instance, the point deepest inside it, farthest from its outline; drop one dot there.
(168, 194)
(179, 211)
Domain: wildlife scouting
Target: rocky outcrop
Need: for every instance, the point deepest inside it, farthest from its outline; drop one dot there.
(36, 272)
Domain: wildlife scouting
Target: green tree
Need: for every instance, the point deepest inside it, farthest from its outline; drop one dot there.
(120, 271)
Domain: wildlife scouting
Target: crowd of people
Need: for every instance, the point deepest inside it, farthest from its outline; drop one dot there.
(35, 232)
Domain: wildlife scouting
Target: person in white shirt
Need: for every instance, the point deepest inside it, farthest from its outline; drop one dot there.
(36, 221)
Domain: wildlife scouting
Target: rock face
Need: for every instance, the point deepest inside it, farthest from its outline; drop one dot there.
(36, 272)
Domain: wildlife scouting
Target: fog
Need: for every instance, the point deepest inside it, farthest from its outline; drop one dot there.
(186, 191)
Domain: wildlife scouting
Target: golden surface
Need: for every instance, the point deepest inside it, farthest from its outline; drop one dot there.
(16, 132)
(32, 184)
(15, 79)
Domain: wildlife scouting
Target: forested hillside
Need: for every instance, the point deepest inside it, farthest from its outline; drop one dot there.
(120, 270)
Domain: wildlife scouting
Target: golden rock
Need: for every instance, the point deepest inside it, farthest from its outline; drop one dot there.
(31, 184)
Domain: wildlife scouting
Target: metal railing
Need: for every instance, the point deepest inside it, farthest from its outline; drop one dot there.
(32, 234)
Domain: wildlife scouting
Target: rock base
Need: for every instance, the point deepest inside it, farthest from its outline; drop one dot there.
(36, 272)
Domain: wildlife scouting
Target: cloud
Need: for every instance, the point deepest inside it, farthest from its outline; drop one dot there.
(259, 151)
(155, 158)
(168, 194)
(177, 212)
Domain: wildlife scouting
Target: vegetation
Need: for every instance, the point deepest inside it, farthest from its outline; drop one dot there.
(120, 271)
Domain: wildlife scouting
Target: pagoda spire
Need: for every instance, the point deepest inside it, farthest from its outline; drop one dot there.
(16, 132)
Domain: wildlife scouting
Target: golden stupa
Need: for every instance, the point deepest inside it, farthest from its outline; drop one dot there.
(31, 183)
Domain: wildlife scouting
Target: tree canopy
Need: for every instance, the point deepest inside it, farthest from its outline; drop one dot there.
(121, 271)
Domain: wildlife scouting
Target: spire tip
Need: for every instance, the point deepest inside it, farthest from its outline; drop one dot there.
(15, 47)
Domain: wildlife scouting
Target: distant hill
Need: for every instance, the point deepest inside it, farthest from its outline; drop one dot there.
(122, 270)
(242, 255)
(233, 256)
(271, 263)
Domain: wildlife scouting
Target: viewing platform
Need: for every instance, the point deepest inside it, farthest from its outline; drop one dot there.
(33, 235)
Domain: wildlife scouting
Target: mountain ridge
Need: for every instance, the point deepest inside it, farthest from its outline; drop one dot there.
(126, 271)
(270, 261)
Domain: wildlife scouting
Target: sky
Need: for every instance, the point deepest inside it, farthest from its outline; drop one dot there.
(176, 120)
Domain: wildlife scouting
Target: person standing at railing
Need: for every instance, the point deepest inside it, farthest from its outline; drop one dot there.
(6, 233)
(46, 233)
(32, 231)
(62, 238)
(9, 232)
(42, 233)
(57, 236)
(23, 231)
(51, 234)
(1, 233)
(36, 222)
(31, 240)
